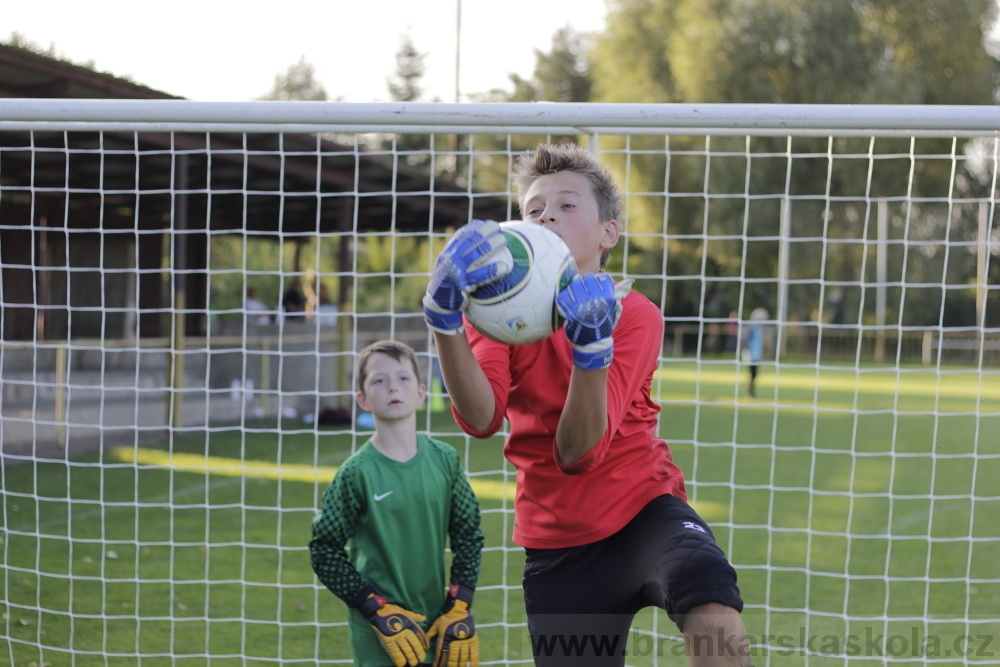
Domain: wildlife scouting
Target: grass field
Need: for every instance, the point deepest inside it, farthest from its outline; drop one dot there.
(848, 499)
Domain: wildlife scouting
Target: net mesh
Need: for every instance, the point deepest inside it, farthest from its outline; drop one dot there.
(181, 310)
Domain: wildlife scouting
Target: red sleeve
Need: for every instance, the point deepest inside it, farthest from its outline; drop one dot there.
(638, 339)
(494, 359)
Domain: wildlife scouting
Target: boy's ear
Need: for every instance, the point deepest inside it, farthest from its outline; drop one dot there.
(611, 232)
(362, 401)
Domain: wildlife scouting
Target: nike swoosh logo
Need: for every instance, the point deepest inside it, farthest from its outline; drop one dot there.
(381, 496)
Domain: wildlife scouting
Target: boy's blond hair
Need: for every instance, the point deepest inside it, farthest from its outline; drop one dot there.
(390, 348)
(552, 158)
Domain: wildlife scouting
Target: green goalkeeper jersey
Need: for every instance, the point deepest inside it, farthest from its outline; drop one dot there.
(397, 517)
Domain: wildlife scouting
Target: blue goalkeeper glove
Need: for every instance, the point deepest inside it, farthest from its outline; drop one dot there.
(458, 643)
(591, 305)
(475, 255)
(397, 629)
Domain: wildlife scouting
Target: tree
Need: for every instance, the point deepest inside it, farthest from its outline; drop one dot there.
(796, 51)
(297, 83)
(780, 51)
(20, 41)
(404, 86)
(562, 74)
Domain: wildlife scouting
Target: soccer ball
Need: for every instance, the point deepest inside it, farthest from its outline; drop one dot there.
(520, 308)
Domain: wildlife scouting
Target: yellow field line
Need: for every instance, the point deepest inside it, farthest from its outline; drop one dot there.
(920, 383)
(288, 472)
(294, 472)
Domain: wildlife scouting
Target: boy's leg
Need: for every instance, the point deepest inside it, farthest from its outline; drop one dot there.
(714, 635)
(691, 578)
(574, 607)
(581, 601)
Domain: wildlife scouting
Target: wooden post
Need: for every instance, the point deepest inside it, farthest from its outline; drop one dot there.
(881, 262)
(178, 322)
(61, 394)
(342, 383)
(265, 375)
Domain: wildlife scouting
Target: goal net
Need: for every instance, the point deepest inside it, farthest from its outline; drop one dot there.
(185, 285)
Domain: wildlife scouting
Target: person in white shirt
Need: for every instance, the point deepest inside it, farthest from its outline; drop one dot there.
(257, 311)
(326, 310)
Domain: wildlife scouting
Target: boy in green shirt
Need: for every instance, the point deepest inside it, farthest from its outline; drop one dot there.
(396, 500)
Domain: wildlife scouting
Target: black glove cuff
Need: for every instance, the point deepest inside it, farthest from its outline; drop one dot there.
(368, 602)
(460, 592)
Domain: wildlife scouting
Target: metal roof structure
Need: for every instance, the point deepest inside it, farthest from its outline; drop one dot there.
(269, 182)
(184, 185)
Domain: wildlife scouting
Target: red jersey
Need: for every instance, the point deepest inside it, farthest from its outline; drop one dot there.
(563, 506)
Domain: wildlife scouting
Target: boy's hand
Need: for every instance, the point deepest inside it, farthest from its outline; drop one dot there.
(458, 643)
(475, 255)
(592, 304)
(397, 629)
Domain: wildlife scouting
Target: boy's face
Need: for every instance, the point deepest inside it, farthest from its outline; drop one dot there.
(392, 390)
(564, 203)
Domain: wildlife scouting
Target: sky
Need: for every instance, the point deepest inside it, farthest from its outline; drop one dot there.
(211, 50)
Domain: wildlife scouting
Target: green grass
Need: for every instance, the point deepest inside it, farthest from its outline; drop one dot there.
(849, 495)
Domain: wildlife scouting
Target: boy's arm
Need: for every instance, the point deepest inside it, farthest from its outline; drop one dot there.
(396, 628)
(331, 529)
(476, 254)
(464, 531)
(591, 305)
(468, 388)
(584, 418)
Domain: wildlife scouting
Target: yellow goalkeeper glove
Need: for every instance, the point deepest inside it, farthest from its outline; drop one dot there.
(397, 629)
(458, 644)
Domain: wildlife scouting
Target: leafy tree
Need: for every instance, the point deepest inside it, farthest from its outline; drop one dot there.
(796, 51)
(410, 69)
(562, 74)
(390, 266)
(404, 86)
(238, 261)
(21, 41)
(298, 82)
(780, 51)
(932, 51)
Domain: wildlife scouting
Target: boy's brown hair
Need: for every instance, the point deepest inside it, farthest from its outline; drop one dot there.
(390, 348)
(552, 158)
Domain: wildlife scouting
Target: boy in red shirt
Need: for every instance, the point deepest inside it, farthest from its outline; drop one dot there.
(601, 508)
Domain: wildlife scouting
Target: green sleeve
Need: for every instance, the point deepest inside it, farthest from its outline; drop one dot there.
(343, 505)
(464, 530)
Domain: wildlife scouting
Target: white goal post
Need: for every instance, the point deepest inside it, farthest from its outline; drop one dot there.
(169, 419)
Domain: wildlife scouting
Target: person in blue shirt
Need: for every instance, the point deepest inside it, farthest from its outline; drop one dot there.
(753, 347)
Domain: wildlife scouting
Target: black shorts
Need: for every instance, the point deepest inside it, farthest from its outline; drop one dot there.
(665, 557)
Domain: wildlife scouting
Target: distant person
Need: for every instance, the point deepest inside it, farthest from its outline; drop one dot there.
(257, 311)
(326, 310)
(753, 347)
(396, 500)
(293, 302)
(838, 310)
